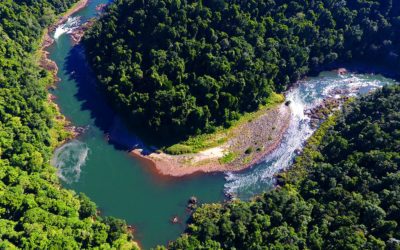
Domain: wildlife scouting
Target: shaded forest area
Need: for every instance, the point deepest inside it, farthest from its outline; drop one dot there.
(185, 67)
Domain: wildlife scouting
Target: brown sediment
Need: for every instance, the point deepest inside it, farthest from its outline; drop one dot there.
(262, 135)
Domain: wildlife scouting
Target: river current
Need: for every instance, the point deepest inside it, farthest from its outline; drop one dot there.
(98, 164)
(306, 95)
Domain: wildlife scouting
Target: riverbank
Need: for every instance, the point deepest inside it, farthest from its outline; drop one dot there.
(63, 130)
(47, 40)
(63, 126)
(77, 7)
(247, 145)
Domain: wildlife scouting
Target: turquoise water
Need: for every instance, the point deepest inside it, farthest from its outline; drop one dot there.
(124, 187)
(120, 185)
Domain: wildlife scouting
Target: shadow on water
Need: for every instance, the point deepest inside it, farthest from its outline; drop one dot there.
(92, 99)
(95, 101)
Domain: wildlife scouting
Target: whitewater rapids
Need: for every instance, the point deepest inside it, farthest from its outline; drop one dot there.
(68, 27)
(306, 95)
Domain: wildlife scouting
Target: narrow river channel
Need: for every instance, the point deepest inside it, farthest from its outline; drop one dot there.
(125, 188)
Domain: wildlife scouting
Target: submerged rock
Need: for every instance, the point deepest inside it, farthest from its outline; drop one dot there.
(193, 200)
(175, 220)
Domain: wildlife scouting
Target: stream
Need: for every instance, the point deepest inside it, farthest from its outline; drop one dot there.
(126, 188)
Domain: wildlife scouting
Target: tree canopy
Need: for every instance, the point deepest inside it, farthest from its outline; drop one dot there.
(183, 67)
(343, 192)
(35, 211)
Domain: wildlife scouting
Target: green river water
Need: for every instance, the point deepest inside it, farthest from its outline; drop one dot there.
(124, 187)
(120, 185)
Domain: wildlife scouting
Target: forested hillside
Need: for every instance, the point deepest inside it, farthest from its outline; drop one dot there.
(344, 192)
(181, 67)
(35, 212)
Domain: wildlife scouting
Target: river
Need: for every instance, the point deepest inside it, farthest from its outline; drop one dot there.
(125, 188)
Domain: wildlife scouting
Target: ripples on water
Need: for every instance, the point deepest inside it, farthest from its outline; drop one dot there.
(307, 95)
(69, 160)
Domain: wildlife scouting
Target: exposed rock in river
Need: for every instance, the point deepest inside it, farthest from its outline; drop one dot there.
(192, 203)
(75, 130)
(319, 113)
(78, 33)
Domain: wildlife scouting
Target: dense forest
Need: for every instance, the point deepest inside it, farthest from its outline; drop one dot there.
(35, 211)
(343, 192)
(183, 67)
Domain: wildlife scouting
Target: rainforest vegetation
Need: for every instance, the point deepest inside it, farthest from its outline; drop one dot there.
(184, 67)
(343, 193)
(35, 211)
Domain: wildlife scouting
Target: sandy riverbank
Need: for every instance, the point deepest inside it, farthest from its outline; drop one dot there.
(248, 145)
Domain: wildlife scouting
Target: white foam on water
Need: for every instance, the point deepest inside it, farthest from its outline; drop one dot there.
(69, 160)
(309, 93)
(70, 25)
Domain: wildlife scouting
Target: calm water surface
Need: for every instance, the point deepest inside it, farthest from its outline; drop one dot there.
(118, 183)
(125, 188)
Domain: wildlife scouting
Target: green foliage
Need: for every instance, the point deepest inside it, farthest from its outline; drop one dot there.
(178, 149)
(228, 158)
(87, 207)
(221, 135)
(309, 154)
(35, 212)
(347, 196)
(184, 67)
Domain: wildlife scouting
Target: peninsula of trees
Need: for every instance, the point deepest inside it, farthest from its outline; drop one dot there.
(343, 192)
(35, 211)
(183, 67)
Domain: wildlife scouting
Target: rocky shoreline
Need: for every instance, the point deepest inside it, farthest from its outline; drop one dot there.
(64, 18)
(251, 143)
(249, 147)
(78, 33)
(46, 63)
(47, 40)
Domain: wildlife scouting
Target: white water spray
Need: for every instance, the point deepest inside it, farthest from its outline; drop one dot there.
(69, 26)
(69, 160)
(309, 94)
